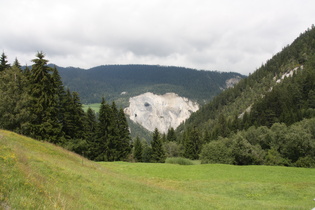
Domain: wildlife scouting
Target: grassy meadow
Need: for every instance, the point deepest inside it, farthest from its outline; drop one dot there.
(95, 107)
(39, 175)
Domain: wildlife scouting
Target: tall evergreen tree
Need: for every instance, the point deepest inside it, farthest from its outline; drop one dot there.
(100, 148)
(14, 103)
(44, 122)
(158, 154)
(3, 62)
(193, 144)
(124, 144)
(17, 63)
(90, 131)
(171, 135)
(138, 150)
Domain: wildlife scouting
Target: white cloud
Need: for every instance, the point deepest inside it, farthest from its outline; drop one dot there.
(222, 35)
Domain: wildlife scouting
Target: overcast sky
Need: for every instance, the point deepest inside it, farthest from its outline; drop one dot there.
(223, 35)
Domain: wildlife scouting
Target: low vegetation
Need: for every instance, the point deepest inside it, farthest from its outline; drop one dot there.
(179, 161)
(39, 175)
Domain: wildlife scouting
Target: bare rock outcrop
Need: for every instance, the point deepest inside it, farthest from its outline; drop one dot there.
(160, 111)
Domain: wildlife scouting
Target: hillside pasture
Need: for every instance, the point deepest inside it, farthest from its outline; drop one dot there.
(39, 175)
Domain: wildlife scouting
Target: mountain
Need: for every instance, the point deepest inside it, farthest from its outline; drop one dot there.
(278, 95)
(295, 60)
(120, 82)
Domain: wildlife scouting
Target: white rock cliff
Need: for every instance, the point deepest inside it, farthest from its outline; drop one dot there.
(160, 111)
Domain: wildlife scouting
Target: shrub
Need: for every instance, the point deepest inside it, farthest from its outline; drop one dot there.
(306, 162)
(216, 152)
(179, 160)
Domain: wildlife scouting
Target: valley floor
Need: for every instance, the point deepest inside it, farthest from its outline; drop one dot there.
(38, 175)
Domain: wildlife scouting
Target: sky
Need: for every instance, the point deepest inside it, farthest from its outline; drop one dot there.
(222, 35)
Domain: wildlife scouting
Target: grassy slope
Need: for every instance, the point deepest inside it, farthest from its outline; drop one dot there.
(38, 175)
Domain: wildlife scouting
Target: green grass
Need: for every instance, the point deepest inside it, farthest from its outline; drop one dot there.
(39, 175)
(95, 107)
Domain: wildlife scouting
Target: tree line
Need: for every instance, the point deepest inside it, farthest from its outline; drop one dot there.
(35, 103)
(258, 101)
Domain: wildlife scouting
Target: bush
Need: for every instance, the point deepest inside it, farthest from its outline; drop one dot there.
(306, 162)
(173, 149)
(179, 160)
(216, 152)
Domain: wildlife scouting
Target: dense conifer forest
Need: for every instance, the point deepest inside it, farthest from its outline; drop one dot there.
(35, 103)
(110, 81)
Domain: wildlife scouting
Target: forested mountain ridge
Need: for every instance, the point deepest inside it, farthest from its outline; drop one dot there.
(120, 82)
(251, 123)
(234, 101)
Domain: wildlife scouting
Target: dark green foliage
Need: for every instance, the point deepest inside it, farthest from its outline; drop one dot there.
(14, 101)
(279, 145)
(217, 152)
(73, 117)
(138, 150)
(245, 153)
(192, 144)
(171, 135)
(173, 149)
(112, 141)
(158, 155)
(43, 104)
(146, 153)
(179, 161)
(3, 62)
(111, 80)
(35, 103)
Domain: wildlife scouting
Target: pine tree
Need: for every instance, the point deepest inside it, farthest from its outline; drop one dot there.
(138, 150)
(17, 63)
(101, 146)
(171, 135)
(158, 154)
(193, 144)
(3, 62)
(124, 146)
(90, 131)
(43, 105)
(14, 103)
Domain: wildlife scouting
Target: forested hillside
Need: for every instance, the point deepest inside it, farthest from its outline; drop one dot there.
(35, 103)
(120, 82)
(242, 123)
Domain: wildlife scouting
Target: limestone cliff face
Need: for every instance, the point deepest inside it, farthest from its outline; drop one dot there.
(160, 111)
(233, 81)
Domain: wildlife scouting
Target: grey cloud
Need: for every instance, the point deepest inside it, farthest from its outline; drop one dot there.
(221, 34)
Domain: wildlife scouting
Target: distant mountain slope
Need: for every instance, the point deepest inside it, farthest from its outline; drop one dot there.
(281, 90)
(120, 82)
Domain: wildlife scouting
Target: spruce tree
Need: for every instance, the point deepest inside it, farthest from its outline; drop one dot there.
(138, 150)
(124, 145)
(3, 62)
(100, 147)
(43, 105)
(193, 144)
(14, 103)
(17, 63)
(171, 135)
(158, 155)
(90, 131)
